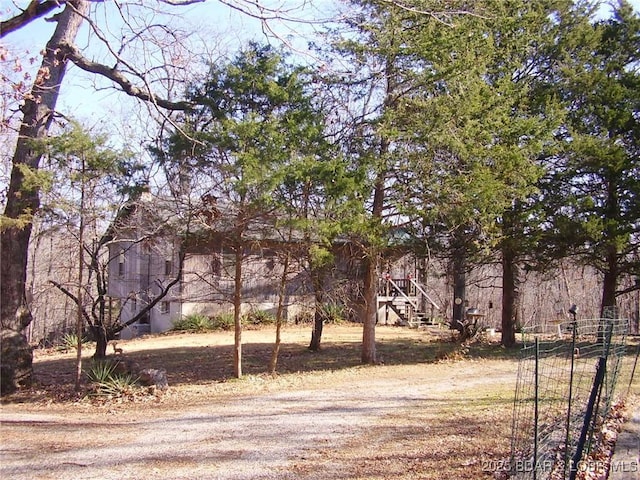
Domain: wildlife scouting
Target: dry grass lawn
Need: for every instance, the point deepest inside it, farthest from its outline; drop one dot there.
(432, 409)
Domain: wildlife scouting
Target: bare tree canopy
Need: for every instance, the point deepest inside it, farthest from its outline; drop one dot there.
(31, 12)
(36, 9)
(141, 48)
(72, 53)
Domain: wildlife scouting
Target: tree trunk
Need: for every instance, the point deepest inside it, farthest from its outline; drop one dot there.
(611, 235)
(17, 358)
(370, 283)
(510, 297)
(319, 314)
(370, 295)
(318, 325)
(282, 291)
(80, 311)
(23, 203)
(237, 313)
(609, 285)
(101, 336)
(459, 289)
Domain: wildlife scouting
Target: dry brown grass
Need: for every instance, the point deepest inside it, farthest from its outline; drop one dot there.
(459, 429)
(193, 360)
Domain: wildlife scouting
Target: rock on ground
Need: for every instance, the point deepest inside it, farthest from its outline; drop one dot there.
(16, 357)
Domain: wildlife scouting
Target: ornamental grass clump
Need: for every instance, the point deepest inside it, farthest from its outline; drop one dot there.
(194, 323)
(106, 380)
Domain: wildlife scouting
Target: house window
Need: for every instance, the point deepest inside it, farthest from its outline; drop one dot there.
(270, 264)
(164, 307)
(121, 263)
(228, 263)
(216, 265)
(168, 267)
(134, 304)
(145, 320)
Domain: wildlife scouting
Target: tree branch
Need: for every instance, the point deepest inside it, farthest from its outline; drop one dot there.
(74, 55)
(34, 11)
(163, 293)
(445, 17)
(181, 2)
(72, 297)
(633, 288)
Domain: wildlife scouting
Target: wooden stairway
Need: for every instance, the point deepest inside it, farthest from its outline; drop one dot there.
(403, 297)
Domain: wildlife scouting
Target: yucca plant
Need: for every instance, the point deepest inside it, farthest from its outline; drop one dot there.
(223, 321)
(259, 317)
(334, 313)
(195, 322)
(108, 382)
(69, 341)
(101, 371)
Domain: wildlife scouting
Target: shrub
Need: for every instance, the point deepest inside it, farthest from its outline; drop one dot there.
(259, 317)
(334, 313)
(223, 321)
(194, 322)
(101, 371)
(304, 317)
(107, 382)
(69, 341)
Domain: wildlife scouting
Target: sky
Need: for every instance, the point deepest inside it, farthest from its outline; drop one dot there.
(224, 28)
(221, 27)
(100, 108)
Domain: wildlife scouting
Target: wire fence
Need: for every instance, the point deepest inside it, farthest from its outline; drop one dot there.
(566, 380)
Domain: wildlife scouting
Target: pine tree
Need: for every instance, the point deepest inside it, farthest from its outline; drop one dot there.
(258, 136)
(457, 129)
(591, 192)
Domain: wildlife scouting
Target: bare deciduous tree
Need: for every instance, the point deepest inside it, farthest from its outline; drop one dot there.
(127, 61)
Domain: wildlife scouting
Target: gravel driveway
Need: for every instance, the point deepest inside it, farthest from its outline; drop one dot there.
(250, 437)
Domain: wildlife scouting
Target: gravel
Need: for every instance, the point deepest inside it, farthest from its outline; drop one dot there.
(254, 436)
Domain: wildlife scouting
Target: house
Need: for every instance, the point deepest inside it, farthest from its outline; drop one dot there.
(142, 259)
(155, 245)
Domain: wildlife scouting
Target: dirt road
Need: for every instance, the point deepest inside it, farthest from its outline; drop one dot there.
(301, 432)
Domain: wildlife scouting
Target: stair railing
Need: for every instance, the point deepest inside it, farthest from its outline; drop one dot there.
(426, 295)
(402, 294)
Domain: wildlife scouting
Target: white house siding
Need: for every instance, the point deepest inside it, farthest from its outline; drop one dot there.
(163, 321)
(208, 285)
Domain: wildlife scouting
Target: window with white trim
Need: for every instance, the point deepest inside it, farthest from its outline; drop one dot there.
(121, 263)
(165, 307)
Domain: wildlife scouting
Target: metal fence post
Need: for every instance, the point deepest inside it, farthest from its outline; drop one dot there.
(597, 381)
(536, 409)
(567, 438)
